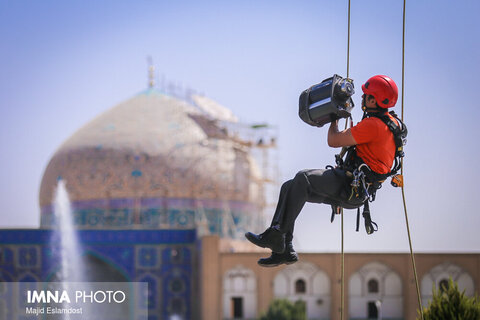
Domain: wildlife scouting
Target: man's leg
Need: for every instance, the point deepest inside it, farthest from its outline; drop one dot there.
(293, 195)
(289, 256)
(318, 186)
(273, 237)
(278, 216)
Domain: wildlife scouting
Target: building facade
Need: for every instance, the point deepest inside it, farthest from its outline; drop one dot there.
(235, 287)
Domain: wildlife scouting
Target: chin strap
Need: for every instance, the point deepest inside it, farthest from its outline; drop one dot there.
(367, 111)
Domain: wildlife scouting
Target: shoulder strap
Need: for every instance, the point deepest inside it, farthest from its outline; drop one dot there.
(399, 131)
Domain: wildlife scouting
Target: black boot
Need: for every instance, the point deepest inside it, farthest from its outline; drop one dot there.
(276, 259)
(272, 238)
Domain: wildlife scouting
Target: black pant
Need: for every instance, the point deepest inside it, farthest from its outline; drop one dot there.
(330, 186)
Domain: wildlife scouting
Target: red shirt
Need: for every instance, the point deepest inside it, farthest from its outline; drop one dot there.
(375, 144)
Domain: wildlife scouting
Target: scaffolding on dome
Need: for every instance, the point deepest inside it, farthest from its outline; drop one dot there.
(257, 142)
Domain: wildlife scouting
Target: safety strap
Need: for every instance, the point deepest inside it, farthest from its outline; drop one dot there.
(370, 226)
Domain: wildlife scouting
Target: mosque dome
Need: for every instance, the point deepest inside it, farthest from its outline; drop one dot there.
(154, 161)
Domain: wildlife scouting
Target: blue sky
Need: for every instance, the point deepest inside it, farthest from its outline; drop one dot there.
(63, 63)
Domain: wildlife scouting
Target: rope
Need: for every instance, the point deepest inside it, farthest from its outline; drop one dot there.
(403, 59)
(342, 290)
(348, 42)
(348, 54)
(342, 285)
(401, 171)
(411, 249)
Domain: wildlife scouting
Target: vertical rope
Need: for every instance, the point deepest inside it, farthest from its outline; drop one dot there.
(411, 250)
(348, 42)
(342, 285)
(342, 290)
(403, 189)
(348, 53)
(403, 58)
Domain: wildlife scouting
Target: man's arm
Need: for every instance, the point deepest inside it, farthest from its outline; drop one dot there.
(339, 138)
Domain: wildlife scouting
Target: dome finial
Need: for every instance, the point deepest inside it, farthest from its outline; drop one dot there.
(151, 72)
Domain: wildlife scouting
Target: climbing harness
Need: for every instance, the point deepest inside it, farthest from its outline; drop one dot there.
(366, 182)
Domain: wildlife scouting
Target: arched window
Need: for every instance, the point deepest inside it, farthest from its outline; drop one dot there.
(300, 286)
(372, 286)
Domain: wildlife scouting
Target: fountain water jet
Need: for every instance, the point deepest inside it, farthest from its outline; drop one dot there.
(76, 272)
(71, 261)
(66, 240)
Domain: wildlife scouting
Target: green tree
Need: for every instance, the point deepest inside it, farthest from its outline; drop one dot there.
(282, 309)
(448, 303)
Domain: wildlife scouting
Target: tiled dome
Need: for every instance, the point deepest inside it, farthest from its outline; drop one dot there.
(146, 153)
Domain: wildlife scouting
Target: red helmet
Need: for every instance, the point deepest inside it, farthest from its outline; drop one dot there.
(383, 89)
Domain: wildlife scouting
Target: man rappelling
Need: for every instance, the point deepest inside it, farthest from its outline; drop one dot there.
(373, 149)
